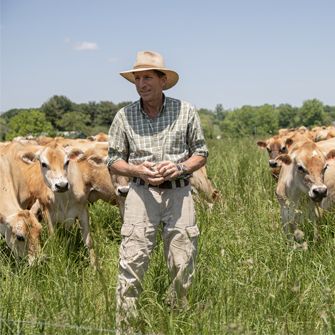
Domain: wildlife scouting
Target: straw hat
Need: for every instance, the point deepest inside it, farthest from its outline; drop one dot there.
(151, 60)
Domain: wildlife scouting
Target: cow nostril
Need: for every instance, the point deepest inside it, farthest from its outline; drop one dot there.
(320, 191)
(20, 238)
(62, 186)
(272, 163)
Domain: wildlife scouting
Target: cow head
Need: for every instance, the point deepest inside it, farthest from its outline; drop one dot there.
(22, 234)
(54, 162)
(307, 165)
(275, 146)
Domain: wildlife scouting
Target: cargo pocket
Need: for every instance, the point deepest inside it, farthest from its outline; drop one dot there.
(133, 240)
(126, 230)
(128, 245)
(192, 231)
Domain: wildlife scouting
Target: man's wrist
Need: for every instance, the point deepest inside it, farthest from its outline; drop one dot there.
(182, 168)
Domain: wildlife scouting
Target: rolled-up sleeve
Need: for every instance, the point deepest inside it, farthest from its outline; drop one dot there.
(118, 147)
(196, 139)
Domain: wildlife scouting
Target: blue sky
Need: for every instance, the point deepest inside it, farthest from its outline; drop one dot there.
(233, 52)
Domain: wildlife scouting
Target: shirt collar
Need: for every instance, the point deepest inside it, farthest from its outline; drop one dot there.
(162, 109)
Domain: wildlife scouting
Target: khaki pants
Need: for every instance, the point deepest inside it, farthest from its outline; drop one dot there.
(145, 209)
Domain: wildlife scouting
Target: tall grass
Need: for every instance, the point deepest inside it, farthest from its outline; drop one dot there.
(249, 280)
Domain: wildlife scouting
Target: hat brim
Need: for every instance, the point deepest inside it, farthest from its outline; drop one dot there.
(171, 76)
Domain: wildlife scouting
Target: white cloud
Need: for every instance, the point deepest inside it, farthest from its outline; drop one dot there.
(84, 46)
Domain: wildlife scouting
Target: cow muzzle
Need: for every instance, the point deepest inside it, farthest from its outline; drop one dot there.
(61, 187)
(317, 193)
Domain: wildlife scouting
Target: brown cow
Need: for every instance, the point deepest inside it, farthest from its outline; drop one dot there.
(329, 179)
(100, 137)
(280, 144)
(89, 181)
(300, 187)
(38, 173)
(19, 227)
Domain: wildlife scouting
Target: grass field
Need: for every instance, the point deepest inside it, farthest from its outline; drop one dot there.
(248, 279)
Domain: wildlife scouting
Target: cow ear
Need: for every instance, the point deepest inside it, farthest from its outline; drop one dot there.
(35, 208)
(75, 153)
(261, 144)
(96, 160)
(286, 159)
(330, 155)
(28, 157)
(289, 142)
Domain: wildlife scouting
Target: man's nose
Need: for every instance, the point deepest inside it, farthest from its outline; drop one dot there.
(141, 82)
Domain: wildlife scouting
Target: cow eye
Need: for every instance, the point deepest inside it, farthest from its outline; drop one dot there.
(44, 165)
(268, 149)
(66, 164)
(301, 169)
(20, 238)
(324, 169)
(283, 150)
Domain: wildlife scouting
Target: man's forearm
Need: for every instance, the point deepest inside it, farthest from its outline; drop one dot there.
(194, 163)
(122, 168)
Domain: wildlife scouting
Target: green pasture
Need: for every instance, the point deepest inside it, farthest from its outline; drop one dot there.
(249, 280)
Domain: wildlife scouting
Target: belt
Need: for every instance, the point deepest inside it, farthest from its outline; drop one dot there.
(166, 184)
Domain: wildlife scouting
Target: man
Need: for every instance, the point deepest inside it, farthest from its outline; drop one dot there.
(157, 142)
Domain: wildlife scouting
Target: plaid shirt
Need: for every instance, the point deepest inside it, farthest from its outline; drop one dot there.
(174, 135)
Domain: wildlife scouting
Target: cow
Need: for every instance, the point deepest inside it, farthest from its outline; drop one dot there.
(326, 145)
(275, 146)
(100, 137)
(323, 133)
(38, 173)
(89, 181)
(328, 148)
(65, 181)
(79, 143)
(300, 187)
(329, 179)
(20, 227)
(280, 144)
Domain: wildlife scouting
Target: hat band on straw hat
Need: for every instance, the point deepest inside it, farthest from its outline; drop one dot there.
(150, 60)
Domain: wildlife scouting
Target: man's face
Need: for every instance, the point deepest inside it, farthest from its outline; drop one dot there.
(149, 85)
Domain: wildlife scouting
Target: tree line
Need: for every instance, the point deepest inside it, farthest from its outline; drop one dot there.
(59, 116)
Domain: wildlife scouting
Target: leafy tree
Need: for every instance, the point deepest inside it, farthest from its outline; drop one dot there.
(312, 114)
(330, 112)
(11, 113)
(288, 116)
(265, 120)
(3, 128)
(32, 122)
(106, 111)
(207, 122)
(219, 112)
(239, 122)
(75, 121)
(56, 107)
